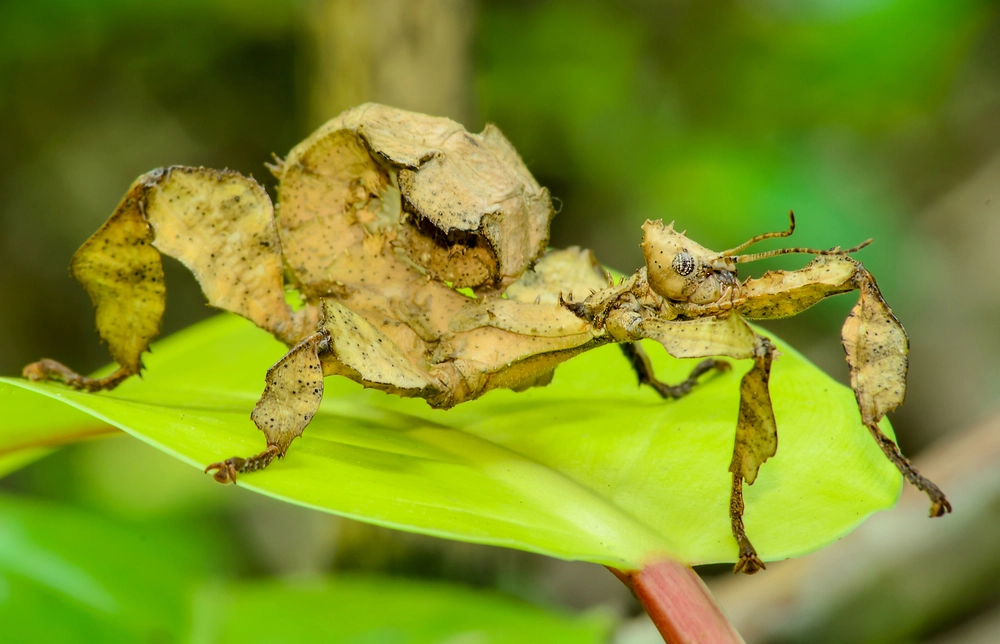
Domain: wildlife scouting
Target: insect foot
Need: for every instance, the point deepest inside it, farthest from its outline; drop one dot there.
(225, 471)
(47, 369)
(748, 562)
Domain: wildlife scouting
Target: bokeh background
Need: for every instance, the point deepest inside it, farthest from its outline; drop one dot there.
(869, 118)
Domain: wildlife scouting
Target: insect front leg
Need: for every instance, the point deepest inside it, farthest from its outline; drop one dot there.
(756, 437)
(644, 370)
(756, 441)
(874, 340)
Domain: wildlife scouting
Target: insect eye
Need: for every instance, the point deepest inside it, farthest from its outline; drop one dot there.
(683, 264)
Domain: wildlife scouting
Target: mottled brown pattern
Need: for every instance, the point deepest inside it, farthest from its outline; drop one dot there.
(383, 214)
(123, 275)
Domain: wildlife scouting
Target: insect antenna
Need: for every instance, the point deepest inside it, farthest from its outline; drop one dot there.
(762, 237)
(811, 251)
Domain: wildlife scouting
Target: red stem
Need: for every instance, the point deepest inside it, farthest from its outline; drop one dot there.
(679, 604)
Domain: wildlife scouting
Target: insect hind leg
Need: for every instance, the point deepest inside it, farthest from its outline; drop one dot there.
(939, 503)
(644, 370)
(47, 369)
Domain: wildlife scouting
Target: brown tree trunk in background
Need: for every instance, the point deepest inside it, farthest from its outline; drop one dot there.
(413, 54)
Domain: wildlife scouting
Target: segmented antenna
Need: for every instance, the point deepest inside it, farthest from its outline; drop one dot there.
(742, 259)
(759, 238)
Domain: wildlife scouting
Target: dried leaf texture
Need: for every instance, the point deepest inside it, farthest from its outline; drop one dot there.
(330, 189)
(361, 352)
(781, 294)
(123, 275)
(488, 358)
(756, 430)
(292, 394)
(462, 207)
(701, 338)
(531, 306)
(220, 225)
(559, 272)
(876, 347)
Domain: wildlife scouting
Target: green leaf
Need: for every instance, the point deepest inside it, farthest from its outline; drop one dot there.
(362, 610)
(32, 426)
(73, 576)
(591, 467)
(69, 576)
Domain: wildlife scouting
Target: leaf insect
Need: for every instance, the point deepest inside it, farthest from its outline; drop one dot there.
(383, 215)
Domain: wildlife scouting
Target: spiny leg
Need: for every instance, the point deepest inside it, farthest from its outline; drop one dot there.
(756, 437)
(346, 344)
(226, 471)
(194, 215)
(749, 562)
(939, 503)
(644, 370)
(291, 398)
(123, 274)
(877, 347)
(47, 369)
(874, 340)
(756, 441)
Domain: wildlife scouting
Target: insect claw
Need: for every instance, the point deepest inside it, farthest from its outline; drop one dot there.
(226, 470)
(749, 563)
(940, 508)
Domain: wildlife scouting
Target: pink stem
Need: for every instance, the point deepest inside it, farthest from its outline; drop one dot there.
(679, 604)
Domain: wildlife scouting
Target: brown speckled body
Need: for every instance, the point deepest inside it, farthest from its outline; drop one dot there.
(418, 252)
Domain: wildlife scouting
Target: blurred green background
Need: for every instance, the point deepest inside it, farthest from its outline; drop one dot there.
(869, 118)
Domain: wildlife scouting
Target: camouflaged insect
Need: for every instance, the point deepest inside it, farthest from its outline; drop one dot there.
(383, 214)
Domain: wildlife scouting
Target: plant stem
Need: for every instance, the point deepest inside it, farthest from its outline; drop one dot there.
(679, 604)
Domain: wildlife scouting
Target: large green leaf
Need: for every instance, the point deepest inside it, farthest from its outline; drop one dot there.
(31, 426)
(591, 467)
(362, 610)
(73, 576)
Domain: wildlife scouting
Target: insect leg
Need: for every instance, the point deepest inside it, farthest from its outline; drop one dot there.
(939, 503)
(123, 274)
(749, 562)
(756, 441)
(876, 347)
(756, 437)
(644, 370)
(874, 340)
(345, 344)
(46, 369)
(291, 398)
